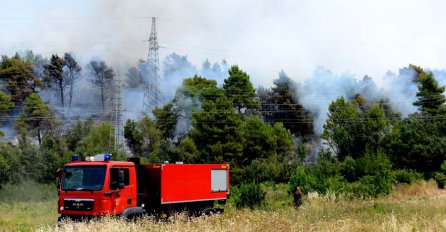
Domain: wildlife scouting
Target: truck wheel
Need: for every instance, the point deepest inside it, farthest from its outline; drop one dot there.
(60, 219)
(208, 210)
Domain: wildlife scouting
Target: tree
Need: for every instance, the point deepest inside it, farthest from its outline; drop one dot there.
(239, 89)
(54, 74)
(216, 130)
(188, 97)
(72, 72)
(37, 62)
(98, 140)
(350, 131)
(281, 105)
(430, 94)
(134, 78)
(260, 140)
(133, 137)
(376, 128)
(77, 132)
(188, 150)
(166, 120)
(144, 138)
(6, 104)
(418, 142)
(103, 76)
(339, 128)
(36, 117)
(285, 142)
(21, 80)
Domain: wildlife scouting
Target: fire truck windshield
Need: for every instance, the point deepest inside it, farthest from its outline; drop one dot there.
(83, 178)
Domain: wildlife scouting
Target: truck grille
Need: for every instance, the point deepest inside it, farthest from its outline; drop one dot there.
(79, 204)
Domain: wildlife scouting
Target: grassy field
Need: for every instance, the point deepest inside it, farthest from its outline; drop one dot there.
(27, 206)
(419, 207)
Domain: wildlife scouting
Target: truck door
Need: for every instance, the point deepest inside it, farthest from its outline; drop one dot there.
(124, 191)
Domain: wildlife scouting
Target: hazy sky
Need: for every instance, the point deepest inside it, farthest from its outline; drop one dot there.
(262, 37)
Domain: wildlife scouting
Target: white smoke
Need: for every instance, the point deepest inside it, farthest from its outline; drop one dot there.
(401, 90)
(321, 89)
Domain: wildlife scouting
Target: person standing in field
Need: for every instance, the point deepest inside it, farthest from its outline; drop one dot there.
(297, 197)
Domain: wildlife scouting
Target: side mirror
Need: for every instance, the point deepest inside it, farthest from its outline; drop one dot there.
(121, 179)
(59, 173)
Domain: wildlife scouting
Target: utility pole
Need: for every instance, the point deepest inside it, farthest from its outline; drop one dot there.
(117, 110)
(152, 93)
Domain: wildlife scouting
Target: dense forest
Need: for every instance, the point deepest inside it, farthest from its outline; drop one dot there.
(365, 144)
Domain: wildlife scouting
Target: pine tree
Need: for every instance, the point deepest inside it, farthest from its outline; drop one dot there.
(72, 72)
(430, 94)
(281, 105)
(54, 75)
(103, 76)
(239, 89)
(36, 117)
(21, 81)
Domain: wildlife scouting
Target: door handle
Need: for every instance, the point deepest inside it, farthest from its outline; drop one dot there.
(111, 193)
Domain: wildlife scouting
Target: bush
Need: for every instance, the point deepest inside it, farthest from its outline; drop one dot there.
(303, 180)
(368, 176)
(440, 178)
(348, 169)
(407, 176)
(261, 170)
(249, 195)
(373, 185)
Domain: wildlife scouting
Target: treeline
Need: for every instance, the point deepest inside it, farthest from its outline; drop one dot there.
(266, 135)
(369, 147)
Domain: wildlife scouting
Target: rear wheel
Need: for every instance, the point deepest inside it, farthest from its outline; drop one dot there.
(208, 210)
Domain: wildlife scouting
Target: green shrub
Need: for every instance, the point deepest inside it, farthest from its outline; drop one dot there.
(348, 169)
(407, 176)
(303, 180)
(249, 195)
(441, 179)
(261, 170)
(372, 185)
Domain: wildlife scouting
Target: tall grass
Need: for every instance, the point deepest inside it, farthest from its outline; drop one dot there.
(27, 206)
(418, 207)
(27, 191)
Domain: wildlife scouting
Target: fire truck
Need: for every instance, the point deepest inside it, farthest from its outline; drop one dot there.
(99, 186)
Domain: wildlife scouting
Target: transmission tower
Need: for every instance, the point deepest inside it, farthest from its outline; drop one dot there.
(117, 110)
(152, 93)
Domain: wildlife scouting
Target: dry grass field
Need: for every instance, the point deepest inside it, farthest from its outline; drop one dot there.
(418, 207)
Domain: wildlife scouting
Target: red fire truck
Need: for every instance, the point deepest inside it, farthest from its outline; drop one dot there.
(127, 189)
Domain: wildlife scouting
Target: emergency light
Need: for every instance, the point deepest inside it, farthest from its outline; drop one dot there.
(74, 158)
(107, 157)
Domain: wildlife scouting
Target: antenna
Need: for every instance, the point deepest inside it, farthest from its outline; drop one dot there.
(152, 93)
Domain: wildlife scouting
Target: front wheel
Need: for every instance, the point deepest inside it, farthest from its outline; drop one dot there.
(60, 219)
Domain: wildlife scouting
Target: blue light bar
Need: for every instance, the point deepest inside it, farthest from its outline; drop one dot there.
(107, 157)
(74, 158)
